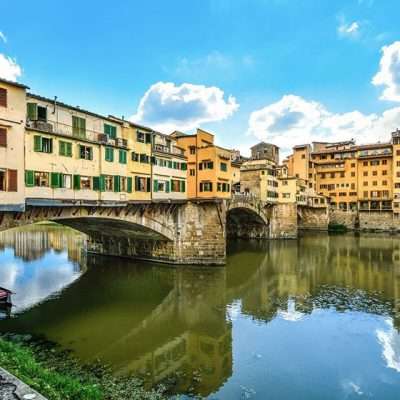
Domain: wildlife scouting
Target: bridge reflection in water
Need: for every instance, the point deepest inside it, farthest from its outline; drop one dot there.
(157, 321)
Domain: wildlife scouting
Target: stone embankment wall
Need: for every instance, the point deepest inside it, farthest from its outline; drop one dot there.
(283, 223)
(312, 218)
(366, 220)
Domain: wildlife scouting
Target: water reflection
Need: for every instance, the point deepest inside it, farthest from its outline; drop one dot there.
(38, 262)
(322, 313)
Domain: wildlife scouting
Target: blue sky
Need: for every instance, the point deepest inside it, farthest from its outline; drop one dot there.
(282, 71)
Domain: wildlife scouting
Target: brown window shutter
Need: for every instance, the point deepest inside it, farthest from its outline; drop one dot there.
(12, 184)
(3, 137)
(3, 97)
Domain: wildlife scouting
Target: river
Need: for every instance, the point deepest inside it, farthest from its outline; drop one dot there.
(316, 318)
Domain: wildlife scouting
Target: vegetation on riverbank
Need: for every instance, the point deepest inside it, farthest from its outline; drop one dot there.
(58, 376)
(339, 228)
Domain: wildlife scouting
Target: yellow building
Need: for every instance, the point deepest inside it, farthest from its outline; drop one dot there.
(353, 177)
(209, 167)
(169, 169)
(73, 155)
(12, 131)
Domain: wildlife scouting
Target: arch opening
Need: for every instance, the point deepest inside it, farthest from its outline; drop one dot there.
(245, 223)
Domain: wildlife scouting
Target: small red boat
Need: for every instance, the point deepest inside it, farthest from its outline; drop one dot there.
(5, 296)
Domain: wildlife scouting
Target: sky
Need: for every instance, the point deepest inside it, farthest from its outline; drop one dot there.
(282, 71)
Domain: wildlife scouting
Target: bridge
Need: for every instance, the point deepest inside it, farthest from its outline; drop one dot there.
(188, 232)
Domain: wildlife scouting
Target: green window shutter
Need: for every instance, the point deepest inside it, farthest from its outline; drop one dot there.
(29, 178)
(77, 182)
(96, 183)
(37, 143)
(82, 127)
(55, 180)
(129, 184)
(122, 156)
(102, 185)
(32, 111)
(148, 184)
(184, 166)
(117, 183)
(113, 132)
(69, 149)
(155, 185)
(62, 148)
(169, 164)
(183, 186)
(75, 126)
(167, 186)
(109, 155)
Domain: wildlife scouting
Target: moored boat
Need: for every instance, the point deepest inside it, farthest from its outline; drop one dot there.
(5, 296)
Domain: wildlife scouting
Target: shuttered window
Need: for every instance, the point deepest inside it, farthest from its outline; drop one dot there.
(122, 156)
(3, 97)
(29, 178)
(3, 137)
(12, 180)
(65, 149)
(78, 127)
(32, 111)
(109, 154)
(129, 185)
(117, 183)
(55, 180)
(110, 131)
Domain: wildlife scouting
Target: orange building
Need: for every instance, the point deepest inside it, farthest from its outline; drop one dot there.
(209, 167)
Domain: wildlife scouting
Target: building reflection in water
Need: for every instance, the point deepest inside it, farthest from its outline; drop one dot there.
(158, 321)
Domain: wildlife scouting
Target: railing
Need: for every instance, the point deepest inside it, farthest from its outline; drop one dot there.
(59, 128)
(166, 149)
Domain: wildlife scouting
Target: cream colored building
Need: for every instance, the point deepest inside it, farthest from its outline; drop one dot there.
(12, 131)
(169, 169)
(73, 155)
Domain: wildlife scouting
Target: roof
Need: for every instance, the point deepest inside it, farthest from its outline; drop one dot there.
(263, 143)
(130, 123)
(12, 83)
(74, 108)
(354, 148)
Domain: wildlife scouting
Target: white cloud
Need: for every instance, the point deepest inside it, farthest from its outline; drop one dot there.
(351, 30)
(293, 120)
(166, 106)
(390, 342)
(389, 72)
(9, 69)
(3, 37)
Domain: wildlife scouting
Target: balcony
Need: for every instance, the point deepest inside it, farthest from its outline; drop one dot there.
(160, 148)
(86, 135)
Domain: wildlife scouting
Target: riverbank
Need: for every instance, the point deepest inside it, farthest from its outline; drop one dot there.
(58, 376)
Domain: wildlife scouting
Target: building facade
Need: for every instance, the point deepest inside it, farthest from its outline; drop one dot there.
(209, 167)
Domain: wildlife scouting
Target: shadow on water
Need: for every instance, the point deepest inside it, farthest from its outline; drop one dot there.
(142, 318)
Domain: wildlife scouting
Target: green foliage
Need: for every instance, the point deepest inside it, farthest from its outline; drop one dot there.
(58, 376)
(337, 228)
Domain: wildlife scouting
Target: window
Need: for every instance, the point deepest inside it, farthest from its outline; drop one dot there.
(384, 162)
(286, 195)
(397, 185)
(192, 150)
(36, 112)
(177, 186)
(123, 184)
(86, 183)
(375, 183)
(142, 184)
(342, 174)
(78, 127)
(353, 174)
(384, 172)
(284, 183)
(42, 113)
(42, 144)
(41, 179)
(365, 163)
(122, 156)
(108, 183)
(8, 180)
(365, 183)
(143, 137)
(3, 97)
(223, 187)
(303, 156)
(3, 137)
(192, 172)
(66, 181)
(110, 131)
(332, 174)
(144, 158)
(365, 194)
(374, 162)
(384, 183)
(135, 156)
(85, 152)
(397, 152)
(365, 173)
(160, 186)
(109, 154)
(374, 173)
(352, 165)
(224, 167)
(353, 186)
(65, 148)
(206, 187)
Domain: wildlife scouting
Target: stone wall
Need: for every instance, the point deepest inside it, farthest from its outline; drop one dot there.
(312, 218)
(378, 221)
(347, 218)
(283, 223)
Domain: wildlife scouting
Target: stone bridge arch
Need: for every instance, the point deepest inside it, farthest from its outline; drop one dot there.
(248, 217)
